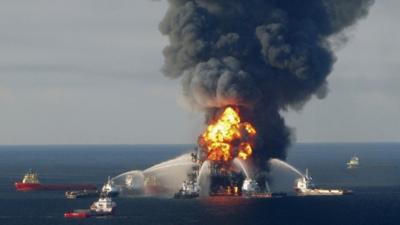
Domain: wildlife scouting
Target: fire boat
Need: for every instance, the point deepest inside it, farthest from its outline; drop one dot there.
(30, 182)
(305, 187)
(190, 188)
(251, 189)
(110, 189)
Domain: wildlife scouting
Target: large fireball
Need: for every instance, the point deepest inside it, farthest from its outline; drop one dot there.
(228, 137)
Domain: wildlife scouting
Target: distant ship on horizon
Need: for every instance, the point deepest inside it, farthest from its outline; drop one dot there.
(353, 163)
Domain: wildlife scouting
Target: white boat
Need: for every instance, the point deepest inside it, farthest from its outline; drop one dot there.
(189, 189)
(109, 189)
(104, 206)
(354, 162)
(304, 186)
(250, 188)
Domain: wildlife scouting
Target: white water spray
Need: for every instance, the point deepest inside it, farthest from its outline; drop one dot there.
(204, 171)
(169, 174)
(203, 179)
(280, 163)
(180, 160)
(241, 165)
(135, 173)
(169, 166)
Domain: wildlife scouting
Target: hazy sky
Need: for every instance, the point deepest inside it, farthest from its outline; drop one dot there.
(88, 72)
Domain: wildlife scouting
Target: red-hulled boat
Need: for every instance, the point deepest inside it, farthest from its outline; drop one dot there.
(78, 214)
(102, 207)
(30, 182)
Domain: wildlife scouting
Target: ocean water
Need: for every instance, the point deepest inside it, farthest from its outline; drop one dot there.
(376, 185)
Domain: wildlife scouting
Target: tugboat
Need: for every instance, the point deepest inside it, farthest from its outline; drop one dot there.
(30, 182)
(110, 189)
(188, 190)
(304, 187)
(250, 188)
(353, 163)
(103, 207)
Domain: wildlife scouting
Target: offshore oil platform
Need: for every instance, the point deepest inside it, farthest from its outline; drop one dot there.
(223, 180)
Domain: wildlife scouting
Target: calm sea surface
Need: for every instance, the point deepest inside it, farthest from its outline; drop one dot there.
(376, 185)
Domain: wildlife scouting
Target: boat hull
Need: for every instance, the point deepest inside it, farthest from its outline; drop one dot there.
(180, 195)
(56, 187)
(77, 215)
(323, 192)
(83, 214)
(264, 194)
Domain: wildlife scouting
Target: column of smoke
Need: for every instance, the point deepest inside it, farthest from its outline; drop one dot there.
(264, 56)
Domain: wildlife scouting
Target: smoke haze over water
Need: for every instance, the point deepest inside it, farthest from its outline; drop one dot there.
(261, 55)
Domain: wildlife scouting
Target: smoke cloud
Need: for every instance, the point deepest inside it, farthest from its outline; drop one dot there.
(263, 56)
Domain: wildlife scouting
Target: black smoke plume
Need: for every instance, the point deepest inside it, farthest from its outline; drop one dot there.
(263, 56)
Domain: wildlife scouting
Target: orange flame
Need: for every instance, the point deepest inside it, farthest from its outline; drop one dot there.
(219, 137)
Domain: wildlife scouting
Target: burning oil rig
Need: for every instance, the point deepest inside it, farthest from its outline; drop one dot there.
(225, 141)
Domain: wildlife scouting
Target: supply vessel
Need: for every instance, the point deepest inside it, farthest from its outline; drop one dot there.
(31, 182)
(252, 189)
(105, 206)
(305, 187)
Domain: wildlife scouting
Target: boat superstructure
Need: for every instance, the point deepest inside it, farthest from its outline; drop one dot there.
(251, 188)
(109, 189)
(304, 186)
(104, 206)
(354, 162)
(31, 178)
(190, 188)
